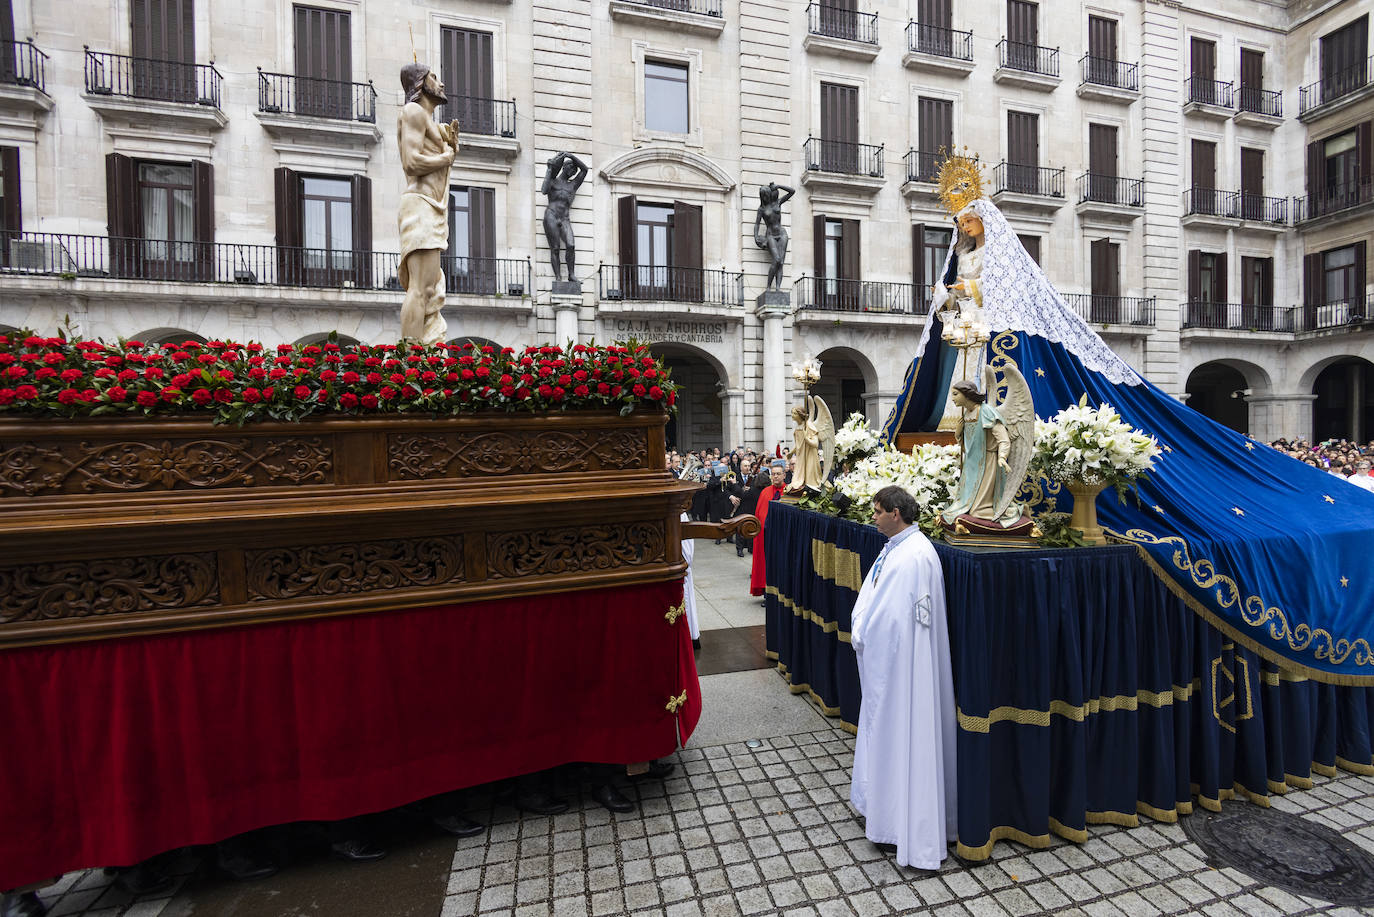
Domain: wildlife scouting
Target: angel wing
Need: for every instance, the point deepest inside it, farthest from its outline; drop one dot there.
(825, 433)
(1017, 408)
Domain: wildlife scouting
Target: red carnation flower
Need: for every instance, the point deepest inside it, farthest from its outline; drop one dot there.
(348, 400)
(6, 395)
(127, 375)
(117, 393)
(170, 394)
(369, 401)
(302, 391)
(545, 391)
(602, 388)
(277, 373)
(223, 395)
(18, 372)
(201, 396)
(44, 372)
(153, 372)
(655, 393)
(374, 378)
(26, 393)
(639, 391)
(351, 377)
(68, 396)
(387, 393)
(581, 391)
(53, 358)
(328, 375)
(146, 399)
(225, 374)
(507, 391)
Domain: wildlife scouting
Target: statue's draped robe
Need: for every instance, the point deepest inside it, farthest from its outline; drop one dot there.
(423, 224)
(904, 757)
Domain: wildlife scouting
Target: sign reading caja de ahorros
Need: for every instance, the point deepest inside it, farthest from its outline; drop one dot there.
(678, 331)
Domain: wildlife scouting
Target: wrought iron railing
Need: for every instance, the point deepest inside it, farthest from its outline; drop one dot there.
(1111, 189)
(489, 117)
(1018, 55)
(1331, 199)
(700, 7)
(234, 263)
(1235, 316)
(1209, 92)
(846, 158)
(22, 64)
(922, 166)
(1113, 310)
(940, 42)
(842, 22)
(1260, 101)
(1353, 312)
(284, 93)
(146, 78)
(662, 283)
(1104, 71)
(1235, 205)
(1336, 86)
(831, 294)
(1016, 178)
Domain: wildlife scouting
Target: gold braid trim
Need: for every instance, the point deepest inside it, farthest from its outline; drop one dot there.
(1228, 594)
(1077, 712)
(806, 614)
(816, 699)
(841, 566)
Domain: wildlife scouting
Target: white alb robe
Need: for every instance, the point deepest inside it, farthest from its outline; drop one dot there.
(689, 592)
(904, 757)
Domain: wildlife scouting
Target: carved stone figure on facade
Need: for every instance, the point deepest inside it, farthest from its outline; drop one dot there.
(813, 444)
(768, 230)
(997, 438)
(427, 149)
(563, 177)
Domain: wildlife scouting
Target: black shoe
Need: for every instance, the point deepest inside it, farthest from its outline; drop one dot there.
(612, 799)
(357, 850)
(243, 861)
(457, 825)
(142, 879)
(739, 552)
(21, 904)
(886, 848)
(696, 645)
(717, 541)
(658, 770)
(538, 802)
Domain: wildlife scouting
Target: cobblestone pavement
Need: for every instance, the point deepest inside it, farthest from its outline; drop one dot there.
(740, 831)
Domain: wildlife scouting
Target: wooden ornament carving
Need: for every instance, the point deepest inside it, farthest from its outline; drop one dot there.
(125, 585)
(356, 567)
(574, 549)
(484, 454)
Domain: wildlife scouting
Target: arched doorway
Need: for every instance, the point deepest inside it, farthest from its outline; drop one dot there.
(700, 422)
(1344, 405)
(477, 342)
(1217, 390)
(168, 336)
(845, 377)
(322, 338)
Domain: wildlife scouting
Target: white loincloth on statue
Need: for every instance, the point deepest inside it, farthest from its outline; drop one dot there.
(904, 756)
(423, 223)
(689, 592)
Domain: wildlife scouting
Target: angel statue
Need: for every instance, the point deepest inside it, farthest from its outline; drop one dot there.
(998, 440)
(814, 444)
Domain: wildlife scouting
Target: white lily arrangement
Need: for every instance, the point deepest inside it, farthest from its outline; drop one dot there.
(855, 440)
(930, 473)
(1092, 445)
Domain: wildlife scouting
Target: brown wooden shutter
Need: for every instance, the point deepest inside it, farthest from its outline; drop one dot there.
(818, 246)
(685, 246)
(360, 187)
(1360, 264)
(918, 260)
(1204, 59)
(287, 187)
(481, 222)
(1312, 292)
(1194, 275)
(1023, 22)
(936, 128)
(1252, 184)
(1204, 164)
(12, 214)
(203, 217)
(324, 62)
(1251, 69)
(839, 128)
(121, 209)
(849, 250)
(1219, 278)
(1102, 38)
(6, 22)
(468, 75)
(934, 13)
(1023, 152)
(163, 30)
(1364, 152)
(627, 226)
(1102, 167)
(1316, 169)
(1266, 296)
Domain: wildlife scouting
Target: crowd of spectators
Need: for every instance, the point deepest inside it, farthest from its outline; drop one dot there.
(733, 482)
(1342, 458)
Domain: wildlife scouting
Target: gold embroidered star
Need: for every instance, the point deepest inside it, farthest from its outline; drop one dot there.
(1327, 498)
(1345, 583)
(1165, 448)
(1238, 511)
(1250, 446)
(1158, 508)
(1039, 371)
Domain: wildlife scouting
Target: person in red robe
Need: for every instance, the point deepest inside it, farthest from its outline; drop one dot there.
(778, 475)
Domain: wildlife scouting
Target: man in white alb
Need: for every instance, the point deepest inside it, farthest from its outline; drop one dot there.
(904, 771)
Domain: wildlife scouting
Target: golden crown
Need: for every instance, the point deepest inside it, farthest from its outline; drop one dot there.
(960, 180)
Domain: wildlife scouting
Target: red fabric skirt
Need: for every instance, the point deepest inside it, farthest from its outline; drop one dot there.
(120, 749)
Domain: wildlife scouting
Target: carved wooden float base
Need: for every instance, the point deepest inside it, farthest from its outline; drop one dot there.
(116, 528)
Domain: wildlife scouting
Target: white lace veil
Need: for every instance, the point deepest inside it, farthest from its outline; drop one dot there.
(1017, 296)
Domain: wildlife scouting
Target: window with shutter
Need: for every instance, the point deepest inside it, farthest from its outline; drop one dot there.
(11, 214)
(653, 246)
(936, 133)
(164, 49)
(469, 263)
(1251, 80)
(839, 142)
(1106, 281)
(1023, 34)
(8, 66)
(1102, 168)
(934, 21)
(1251, 184)
(1257, 293)
(930, 246)
(1102, 51)
(324, 62)
(1204, 176)
(1344, 56)
(1339, 183)
(1023, 152)
(468, 74)
(1032, 246)
(1203, 57)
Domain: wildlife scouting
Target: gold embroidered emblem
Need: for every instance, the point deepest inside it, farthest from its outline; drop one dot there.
(674, 703)
(675, 612)
(1237, 701)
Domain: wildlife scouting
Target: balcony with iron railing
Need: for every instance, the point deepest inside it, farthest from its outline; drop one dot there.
(1260, 107)
(1351, 313)
(150, 79)
(830, 294)
(22, 64)
(1019, 183)
(1235, 205)
(1110, 197)
(843, 22)
(1026, 65)
(856, 166)
(1208, 98)
(487, 117)
(922, 166)
(284, 93)
(701, 16)
(76, 256)
(1113, 310)
(1336, 91)
(1105, 77)
(1235, 316)
(938, 49)
(1339, 199)
(664, 283)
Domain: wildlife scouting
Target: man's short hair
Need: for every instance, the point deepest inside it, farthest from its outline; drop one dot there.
(897, 498)
(413, 80)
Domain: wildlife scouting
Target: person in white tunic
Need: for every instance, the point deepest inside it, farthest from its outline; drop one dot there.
(689, 590)
(904, 769)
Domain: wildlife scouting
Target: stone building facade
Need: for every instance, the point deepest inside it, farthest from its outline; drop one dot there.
(1196, 176)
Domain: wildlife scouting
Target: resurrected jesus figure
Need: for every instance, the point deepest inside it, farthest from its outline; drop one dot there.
(427, 149)
(904, 774)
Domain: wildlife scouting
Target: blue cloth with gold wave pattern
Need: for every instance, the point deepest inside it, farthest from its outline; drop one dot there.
(1273, 552)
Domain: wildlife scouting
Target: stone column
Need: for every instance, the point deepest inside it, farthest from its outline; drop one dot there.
(1358, 434)
(732, 418)
(1280, 416)
(774, 374)
(1161, 128)
(877, 405)
(565, 318)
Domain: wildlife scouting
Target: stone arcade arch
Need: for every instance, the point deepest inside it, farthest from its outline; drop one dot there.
(1220, 389)
(168, 336)
(478, 342)
(322, 337)
(703, 418)
(847, 380)
(1343, 405)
